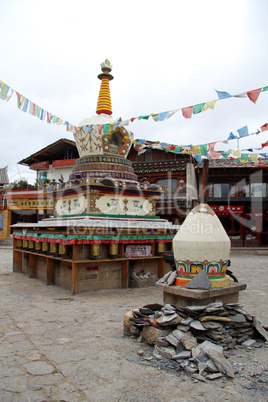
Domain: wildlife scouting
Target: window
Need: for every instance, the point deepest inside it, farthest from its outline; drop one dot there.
(221, 190)
(42, 175)
(258, 189)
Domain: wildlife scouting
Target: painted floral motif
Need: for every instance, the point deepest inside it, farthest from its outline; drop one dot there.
(195, 268)
(213, 267)
(224, 267)
(181, 267)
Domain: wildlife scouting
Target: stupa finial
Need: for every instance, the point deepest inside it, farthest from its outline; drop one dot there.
(104, 104)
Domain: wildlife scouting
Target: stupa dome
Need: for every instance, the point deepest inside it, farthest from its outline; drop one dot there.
(102, 134)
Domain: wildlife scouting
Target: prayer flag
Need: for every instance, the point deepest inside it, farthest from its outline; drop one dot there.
(244, 157)
(25, 105)
(254, 156)
(160, 116)
(198, 108)
(32, 108)
(170, 114)
(209, 105)
(215, 155)
(10, 95)
(264, 127)
(196, 149)
(198, 158)
(225, 154)
(38, 110)
(4, 88)
(42, 114)
(237, 154)
(243, 95)
(243, 132)
(211, 146)
(20, 100)
(204, 149)
(232, 136)
(253, 95)
(187, 112)
(49, 117)
(265, 144)
(223, 94)
(146, 117)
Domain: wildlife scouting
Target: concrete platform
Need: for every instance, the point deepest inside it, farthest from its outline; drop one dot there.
(180, 296)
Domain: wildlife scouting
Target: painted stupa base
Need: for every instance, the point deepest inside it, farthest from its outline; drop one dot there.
(91, 253)
(180, 296)
(215, 283)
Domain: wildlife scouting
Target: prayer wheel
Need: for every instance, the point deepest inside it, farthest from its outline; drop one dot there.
(44, 246)
(160, 247)
(53, 248)
(113, 249)
(31, 244)
(38, 246)
(19, 243)
(62, 249)
(25, 244)
(95, 250)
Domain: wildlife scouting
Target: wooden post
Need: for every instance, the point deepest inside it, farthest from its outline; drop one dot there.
(204, 185)
(75, 270)
(32, 265)
(125, 273)
(17, 261)
(161, 267)
(121, 250)
(153, 249)
(74, 278)
(50, 270)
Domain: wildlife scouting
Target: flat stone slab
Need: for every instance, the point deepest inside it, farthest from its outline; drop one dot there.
(198, 294)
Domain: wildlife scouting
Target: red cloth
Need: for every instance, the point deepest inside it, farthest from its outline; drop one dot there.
(253, 95)
(187, 112)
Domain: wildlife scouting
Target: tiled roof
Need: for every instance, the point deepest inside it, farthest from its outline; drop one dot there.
(225, 163)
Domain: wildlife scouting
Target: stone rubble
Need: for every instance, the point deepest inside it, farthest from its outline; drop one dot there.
(196, 338)
(142, 279)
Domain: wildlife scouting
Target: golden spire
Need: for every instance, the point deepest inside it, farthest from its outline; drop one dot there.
(104, 104)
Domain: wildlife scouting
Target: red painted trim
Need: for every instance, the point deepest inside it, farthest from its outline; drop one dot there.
(100, 111)
(19, 196)
(74, 241)
(39, 165)
(64, 162)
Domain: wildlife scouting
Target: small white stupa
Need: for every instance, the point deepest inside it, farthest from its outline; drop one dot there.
(202, 243)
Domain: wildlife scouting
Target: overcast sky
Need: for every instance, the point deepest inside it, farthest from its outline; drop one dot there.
(165, 56)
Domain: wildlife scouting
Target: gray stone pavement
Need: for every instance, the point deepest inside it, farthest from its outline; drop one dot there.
(55, 346)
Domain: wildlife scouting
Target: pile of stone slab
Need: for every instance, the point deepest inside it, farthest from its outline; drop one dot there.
(142, 279)
(196, 337)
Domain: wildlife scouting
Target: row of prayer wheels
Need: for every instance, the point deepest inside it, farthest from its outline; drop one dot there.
(61, 249)
(44, 247)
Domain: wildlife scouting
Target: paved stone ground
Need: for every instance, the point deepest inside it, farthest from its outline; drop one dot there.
(55, 346)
